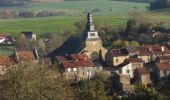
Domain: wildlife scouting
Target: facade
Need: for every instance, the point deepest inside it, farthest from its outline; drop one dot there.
(122, 83)
(162, 70)
(116, 57)
(129, 66)
(78, 66)
(145, 55)
(91, 42)
(28, 35)
(142, 75)
(163, 59)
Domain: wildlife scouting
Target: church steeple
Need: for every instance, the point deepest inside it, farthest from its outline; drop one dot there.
(90, 32)
(90, 26)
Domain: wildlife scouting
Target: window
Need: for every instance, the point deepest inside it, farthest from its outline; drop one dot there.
(117, 60)
(92, 34)
(165, 73)
(127, 71)
(74, 69)
(69, 69)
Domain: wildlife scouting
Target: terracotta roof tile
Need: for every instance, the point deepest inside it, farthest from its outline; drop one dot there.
(164, 57)
(4, 60)
(134, 60)
(75, 60)
(163, 66)
(118, 53)
(143, 70)
(26, 55)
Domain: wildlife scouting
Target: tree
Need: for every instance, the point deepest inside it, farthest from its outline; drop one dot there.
(142, 92)
(34, 82)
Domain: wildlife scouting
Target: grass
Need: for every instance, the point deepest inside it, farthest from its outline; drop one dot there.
(112, 13)
(5, 52)
(51, 24)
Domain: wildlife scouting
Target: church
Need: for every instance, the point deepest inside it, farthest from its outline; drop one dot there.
(91, 43)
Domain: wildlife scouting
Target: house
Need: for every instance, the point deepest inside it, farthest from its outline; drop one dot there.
(163, 59)
(142, 75)
(116, 57)
(78, 66)
(26, 56)
(145, 56)
(4, 64)
(28, 35)
(6, 39)
(162, 70)
(122, 83)
(155, 51)
(129, 65)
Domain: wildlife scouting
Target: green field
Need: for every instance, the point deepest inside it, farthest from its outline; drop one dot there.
(112, 13)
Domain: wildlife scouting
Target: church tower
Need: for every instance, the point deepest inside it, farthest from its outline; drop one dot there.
(91, 42)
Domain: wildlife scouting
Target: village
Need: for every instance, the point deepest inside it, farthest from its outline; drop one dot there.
(146, 64)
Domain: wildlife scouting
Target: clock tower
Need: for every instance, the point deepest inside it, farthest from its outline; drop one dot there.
(91, 42)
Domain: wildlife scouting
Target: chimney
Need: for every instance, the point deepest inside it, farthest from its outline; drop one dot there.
(150, 49)
(36, 53)
(85, 59)
(162, 48)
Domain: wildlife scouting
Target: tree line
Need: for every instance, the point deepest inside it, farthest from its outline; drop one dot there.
(29, 14)
(159, 4)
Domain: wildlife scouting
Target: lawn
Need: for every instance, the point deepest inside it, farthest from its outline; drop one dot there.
(51, 24)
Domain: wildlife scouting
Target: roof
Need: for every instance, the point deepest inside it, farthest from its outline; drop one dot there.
(72, 57)
(75, 64)
(164, 57)
(4, 60)
(143, 70)
(75, 60)
(163, 66)
(155, 49)
(136, 60)
(26, 55)
(118, 53)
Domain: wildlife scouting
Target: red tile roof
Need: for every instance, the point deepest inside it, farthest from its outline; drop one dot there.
(156, 49)
(134, 60)
(164, 57)
(26, 55)
(144, 53)
(118, 53)
(4, 60)
(143, 70)
(163, 66)
(75, 64)
(75, 60)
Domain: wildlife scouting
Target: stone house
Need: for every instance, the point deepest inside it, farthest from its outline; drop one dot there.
(78, 66)
(116, 57)
(129, 66)
(145, 55)
(122, 83)
(162, 70)
(28, 35)
(155, 51)
(163, 59)
(142, 75)
(26, 56)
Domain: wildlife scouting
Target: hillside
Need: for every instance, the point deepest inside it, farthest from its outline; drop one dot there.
(114, 14)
